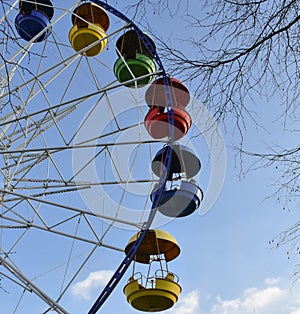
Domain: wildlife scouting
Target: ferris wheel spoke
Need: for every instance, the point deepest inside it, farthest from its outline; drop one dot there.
(77, 151)
(7, 12)
(23, 286)
(57, 205)
(65, 288)
(74, 101)
(97, 240)
(61, 66)
(31, 151)
(27, 282)
(67, 186)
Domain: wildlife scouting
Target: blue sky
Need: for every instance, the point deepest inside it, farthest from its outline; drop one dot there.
(226, 263)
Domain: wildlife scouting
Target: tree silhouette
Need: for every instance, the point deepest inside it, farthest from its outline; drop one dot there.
(231, 53)
(234, 54)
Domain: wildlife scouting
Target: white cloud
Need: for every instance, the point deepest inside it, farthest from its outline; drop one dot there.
(84, 289)
(252, 301)
(188, 304)
(272, 281)
(274, 298)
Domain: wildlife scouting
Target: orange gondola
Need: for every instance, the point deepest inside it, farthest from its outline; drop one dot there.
(156, 93)
(157, 123)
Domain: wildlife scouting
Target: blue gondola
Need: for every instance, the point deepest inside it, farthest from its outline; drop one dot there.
(34, 18)
(182, 196)
(181, 201)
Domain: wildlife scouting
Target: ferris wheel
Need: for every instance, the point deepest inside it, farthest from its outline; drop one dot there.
(90, 146)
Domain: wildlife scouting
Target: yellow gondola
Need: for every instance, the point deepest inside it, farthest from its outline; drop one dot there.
(161, 297)
(161, 291)
(155, 242)
(90, 23)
